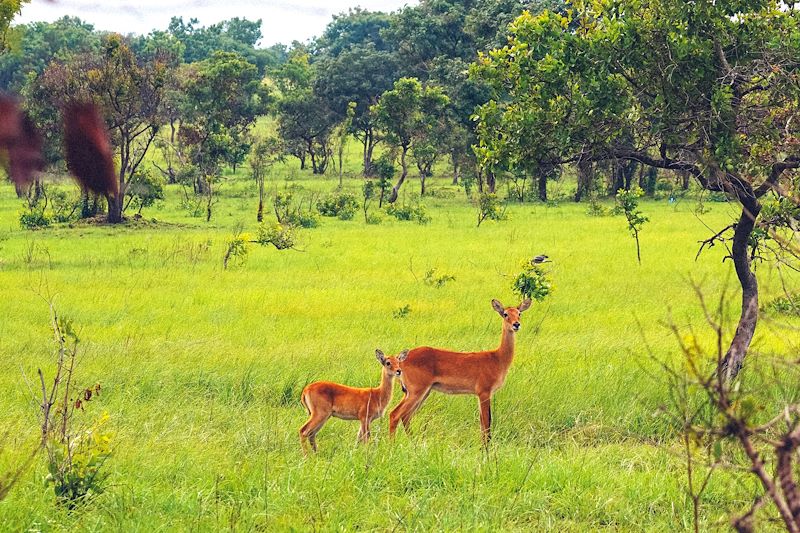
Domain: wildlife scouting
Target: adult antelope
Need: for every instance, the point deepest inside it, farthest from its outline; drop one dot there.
(323, 399)
(480, 373)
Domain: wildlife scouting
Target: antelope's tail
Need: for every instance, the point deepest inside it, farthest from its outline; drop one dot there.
(303, 401)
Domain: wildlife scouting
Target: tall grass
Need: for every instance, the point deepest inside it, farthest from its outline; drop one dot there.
(202, 367)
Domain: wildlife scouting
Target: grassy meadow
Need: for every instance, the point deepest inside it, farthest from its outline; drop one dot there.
(202, 368)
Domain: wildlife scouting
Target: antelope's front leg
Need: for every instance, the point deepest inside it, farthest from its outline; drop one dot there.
(485, 402)
(363, 433)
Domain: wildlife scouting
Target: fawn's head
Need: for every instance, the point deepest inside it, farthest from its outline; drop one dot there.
(391, 364)
(511, 314)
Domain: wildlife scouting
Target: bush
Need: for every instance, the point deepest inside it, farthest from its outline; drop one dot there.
(416, 212)
(788, 304)
(289, 212)
(144, 189)
(236, 249)
(374, 219)
(434, 279)
(281, 236)
(64, 206)
(490, 207)
(532, 282)
(76, 468)
(341, 204)
(33, 218)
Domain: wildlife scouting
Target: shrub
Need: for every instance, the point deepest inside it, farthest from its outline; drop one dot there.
(64, 206)
(76, 467)
(433, 279)
(402, 312)
(340, 204)
(144, 189)
(281, 236)
(34, 217)
(490, 207)
(416, 212)
(374, 219)
(236, 249)
(788, 304)
(532, 282)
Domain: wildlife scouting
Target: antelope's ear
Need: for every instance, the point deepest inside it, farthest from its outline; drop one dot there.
(402, 356)
(526, 303)
(380, 356)
(497, 306)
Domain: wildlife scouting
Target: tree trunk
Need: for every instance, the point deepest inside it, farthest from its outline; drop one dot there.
(629, 171)
(369, 148)
(732, 362)
(491, 182)
(404, 166)
(543, 186)
(584, 179)
(684, 180)
(260, 214)
(114, 209)
(456, 168)
(422, 183)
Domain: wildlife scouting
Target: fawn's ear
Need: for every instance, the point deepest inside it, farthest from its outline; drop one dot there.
(402, 356)
(497, 306)
(526, 303)
(380, 356)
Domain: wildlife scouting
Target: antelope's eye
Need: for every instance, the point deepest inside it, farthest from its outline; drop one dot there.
(505, 315)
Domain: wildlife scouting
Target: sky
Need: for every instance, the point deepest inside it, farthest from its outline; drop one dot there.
(283, 21)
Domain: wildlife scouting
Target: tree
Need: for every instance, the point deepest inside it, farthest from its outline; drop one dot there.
(129, 93)
(305, 119)
(704, 88)
(38, 43)
(407, 114)
(223, 97)
(265, 153)
(8, 10)
(354, 63)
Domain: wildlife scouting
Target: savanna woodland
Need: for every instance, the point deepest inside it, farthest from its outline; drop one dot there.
(570, 230)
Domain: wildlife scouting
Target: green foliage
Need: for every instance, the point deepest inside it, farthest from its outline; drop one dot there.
(788, 304)
(490, 208)
(434, 279)
(415, 211)
(34, 217)
(64, 206)
(384, 170)
(533, 282)
(281, 236)
(290, 211)
(236, 249)
(76, 468)
(144, 189)
(596, 209)
(402, 312)
(627, 205)
(339, 204)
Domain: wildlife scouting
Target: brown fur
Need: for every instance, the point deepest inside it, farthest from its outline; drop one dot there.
(324, 399)
(88, 149)
(479, 373)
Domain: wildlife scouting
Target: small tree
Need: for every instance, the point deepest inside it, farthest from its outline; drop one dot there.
(627, 203)
(369, 191)
(406, 114)
(489, 207)
(265, 153)
(384, 170)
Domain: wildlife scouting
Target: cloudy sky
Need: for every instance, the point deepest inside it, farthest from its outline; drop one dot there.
(282, 20)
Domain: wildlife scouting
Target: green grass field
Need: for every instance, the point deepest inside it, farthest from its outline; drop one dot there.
(202, 368)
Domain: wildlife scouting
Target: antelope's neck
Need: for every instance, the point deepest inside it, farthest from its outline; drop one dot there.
(506, 349)
(384, 391)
